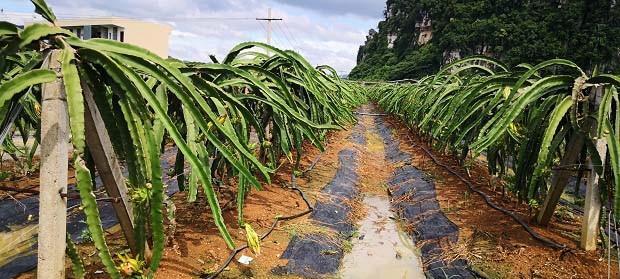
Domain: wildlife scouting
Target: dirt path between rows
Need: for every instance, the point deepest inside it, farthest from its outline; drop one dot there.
(367, 239)
(383, 155)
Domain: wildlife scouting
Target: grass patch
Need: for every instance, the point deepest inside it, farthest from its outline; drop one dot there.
(307, 228)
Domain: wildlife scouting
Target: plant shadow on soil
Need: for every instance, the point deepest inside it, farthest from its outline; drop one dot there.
(494, 244)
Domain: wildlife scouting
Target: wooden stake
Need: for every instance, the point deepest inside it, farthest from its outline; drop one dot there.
(53, 175)
(592, 207)
(107, 165)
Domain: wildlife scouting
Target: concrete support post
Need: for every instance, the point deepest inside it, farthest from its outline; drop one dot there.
(53, 175)
(592, 207)
(88, 32)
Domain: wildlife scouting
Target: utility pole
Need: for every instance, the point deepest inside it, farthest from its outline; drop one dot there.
(269, 19)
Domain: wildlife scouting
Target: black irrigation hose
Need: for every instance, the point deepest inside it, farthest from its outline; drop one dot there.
(487, 199)
(18, 190)
(69, 196)
(266, 234)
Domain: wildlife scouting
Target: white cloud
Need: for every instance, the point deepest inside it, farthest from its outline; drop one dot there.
(323, 31)
(366, 8)
(19, 18)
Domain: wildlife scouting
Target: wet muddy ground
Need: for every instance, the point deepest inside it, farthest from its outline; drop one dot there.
(381, 248)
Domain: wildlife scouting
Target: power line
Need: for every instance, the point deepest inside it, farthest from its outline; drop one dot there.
(291, 33)
(204, 18)
(276, 42)
(286, 32)
(4, 14)
(171, 18)
(287, 38)
(68, 16)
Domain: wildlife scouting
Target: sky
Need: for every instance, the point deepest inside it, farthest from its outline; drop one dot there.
(326, 32)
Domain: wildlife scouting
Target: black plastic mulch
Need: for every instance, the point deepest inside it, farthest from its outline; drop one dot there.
(314, 256)
(26, 212)
(414, 199)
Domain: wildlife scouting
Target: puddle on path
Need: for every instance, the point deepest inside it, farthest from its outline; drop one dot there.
(382, 249)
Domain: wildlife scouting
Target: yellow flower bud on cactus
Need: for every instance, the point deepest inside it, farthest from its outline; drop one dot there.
(253, 239)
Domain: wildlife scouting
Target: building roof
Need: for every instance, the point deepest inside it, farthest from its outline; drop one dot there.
(23, 19)
(119, 21)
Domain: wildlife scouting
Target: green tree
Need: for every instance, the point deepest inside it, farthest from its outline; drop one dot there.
(515, 31)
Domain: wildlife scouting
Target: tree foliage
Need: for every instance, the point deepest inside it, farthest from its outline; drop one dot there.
(514, 31)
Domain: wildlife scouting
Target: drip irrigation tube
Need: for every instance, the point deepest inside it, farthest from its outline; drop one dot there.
(18, 190)
(266, 234)
(487, 199)
(71, 196)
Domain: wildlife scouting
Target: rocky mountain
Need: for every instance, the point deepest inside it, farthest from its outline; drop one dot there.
(418, 36)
